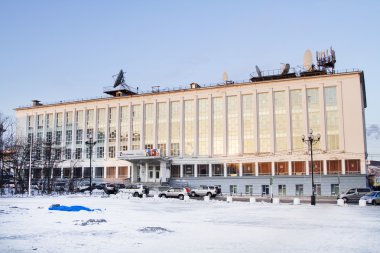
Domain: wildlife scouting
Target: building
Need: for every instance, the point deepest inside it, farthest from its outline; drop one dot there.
(245, 137)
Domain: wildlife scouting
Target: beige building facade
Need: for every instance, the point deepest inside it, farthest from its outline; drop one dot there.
(244, 137)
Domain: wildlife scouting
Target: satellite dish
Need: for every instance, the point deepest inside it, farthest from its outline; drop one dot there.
(308, 60)
(119, 79)
(285, 68)
(225, 76)
(258, 71)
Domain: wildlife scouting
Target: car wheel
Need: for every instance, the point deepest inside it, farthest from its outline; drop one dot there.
(374, 202)
(209, 194)
(181, 197)
(163, 196)
(193, 194)
(136, 194)
(345, 200)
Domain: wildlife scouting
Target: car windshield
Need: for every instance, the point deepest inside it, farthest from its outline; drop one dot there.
(371, 194)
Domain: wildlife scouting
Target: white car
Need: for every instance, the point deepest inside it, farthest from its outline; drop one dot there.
(175, 193)
(204, 190)
(136, 190)
(372, 197)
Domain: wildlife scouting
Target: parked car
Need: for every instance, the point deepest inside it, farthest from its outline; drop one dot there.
(59, 186)
(137, 190)
(204, 190)
(118, 187)
(85, 186)
(372, 197)
(109, 188)
(175, 193)
(353, 195)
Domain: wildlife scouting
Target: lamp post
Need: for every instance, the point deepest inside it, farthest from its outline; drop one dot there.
(91, 144)
(311, 139)
(2, 130)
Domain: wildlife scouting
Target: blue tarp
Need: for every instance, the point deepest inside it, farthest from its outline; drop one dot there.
(70, 208)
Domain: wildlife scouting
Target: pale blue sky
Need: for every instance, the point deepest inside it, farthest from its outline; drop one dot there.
(62, 50)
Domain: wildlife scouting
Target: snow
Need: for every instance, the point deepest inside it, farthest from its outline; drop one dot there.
(126, 224)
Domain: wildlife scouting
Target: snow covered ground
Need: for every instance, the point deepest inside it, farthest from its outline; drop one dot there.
(171, 225)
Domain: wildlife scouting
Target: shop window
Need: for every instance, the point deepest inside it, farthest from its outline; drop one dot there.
(298, 168)
(77, 172)
(99, 172)
(265, 168)
(217, 170)
(111, 172)
(188, 170)
(281, 168)
(175, 170)
(318, 167)
(334, 167)
(123, 172)
(352, 166)
(202, 170)
(248, 169)
(232, 169)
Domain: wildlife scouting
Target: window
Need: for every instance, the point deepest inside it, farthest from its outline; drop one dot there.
(57, 154)
(232, 169)
(79, 136)
(69, 137)
(249, 189)
(136, 126)
(281, 121)
(282, 190)
(232, 124)
(334, 189)
(86, 172)
(100, 152)
(111, 152)
(77, 172)
(175, 128)
(296, 110)
(281, 168)
(299, 189)
(49, 137)
(332, 118)
(334, 167)
(298, 168)
(217, 170)
(314, 115)
(265, 168)
(188, 170)
(66, 172)
(58, 137)
(57, 173)
(111, 172)
(68, 154)
(218, 123)
(162, 127)
(248, 121)
(264, 190)
(78, 153)
(189, 128)
(233, 189)
(175, 170)
(248, 169)
(123, 172)
(352, 166)
(99, 172)
(203, 123)
(264, 122)
(202, 170)
(318, 167)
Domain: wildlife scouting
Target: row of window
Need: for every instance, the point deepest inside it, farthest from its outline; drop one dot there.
(85, 172)
(282, 190)
(269, 113)
(352, 166)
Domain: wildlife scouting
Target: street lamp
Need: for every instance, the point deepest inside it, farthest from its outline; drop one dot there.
(311, 139)
(91, 144)
(2, 130)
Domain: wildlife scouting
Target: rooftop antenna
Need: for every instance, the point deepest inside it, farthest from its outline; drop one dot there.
(258, 71)
(119, 79)
(308, 60)
(285, 68)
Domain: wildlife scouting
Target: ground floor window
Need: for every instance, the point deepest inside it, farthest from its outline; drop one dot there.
(249, 189)
(233, 189)
(37, 173)
(282, 190)
(248, 169)
(334, 189)
(334, 167)
(57, 172)
(265, 168)
(86, 172)
(217, 170)
(352, 166)
(202, 170)
(265, 190)
(175, 170)
(232, 169)
(77, 172)
(99, 172)
(298, 168)
(299, 189)
(188, 170)
(123, 172)
(111, 172)
(66, 172)
(281, 168)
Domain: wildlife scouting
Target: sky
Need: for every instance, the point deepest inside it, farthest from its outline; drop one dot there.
(62, 50)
